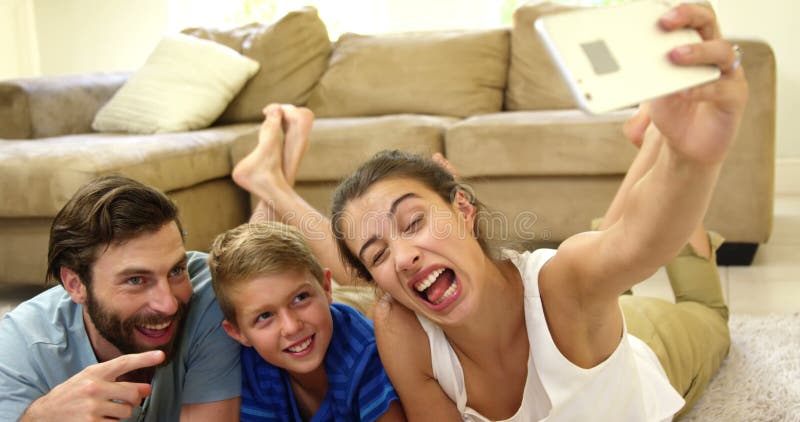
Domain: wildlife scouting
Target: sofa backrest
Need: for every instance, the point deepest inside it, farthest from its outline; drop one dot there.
(444, 72)
(533, 80)
(54, 106)
(293, 53)
(448, 73)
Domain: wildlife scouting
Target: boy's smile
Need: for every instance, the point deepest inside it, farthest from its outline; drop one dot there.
(286, 318)
(301, 348)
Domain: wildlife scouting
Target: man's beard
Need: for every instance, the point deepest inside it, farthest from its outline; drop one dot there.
(121, 334)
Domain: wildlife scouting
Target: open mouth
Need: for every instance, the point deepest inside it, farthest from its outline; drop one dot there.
(301, 348)
(156, 332)
(437, 287)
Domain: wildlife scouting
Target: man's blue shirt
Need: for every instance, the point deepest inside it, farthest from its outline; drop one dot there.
(43, 342)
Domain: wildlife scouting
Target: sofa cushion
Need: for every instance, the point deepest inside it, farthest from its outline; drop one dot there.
(746, 186)
(185, 84)
(293, 54)
(447, 73)
(542, 208)
(540, 143)
(533, 80)
(339, 145)
(38, 177)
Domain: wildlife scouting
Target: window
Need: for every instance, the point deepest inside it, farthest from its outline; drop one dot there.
(360, 16)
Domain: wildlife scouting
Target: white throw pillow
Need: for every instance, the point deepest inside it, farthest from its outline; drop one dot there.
(185, 84)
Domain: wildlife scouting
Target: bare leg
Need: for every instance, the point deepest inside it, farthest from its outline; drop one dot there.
(266, 173)
(645, 136)
(262, 212)
(297, 124)
(245, 172)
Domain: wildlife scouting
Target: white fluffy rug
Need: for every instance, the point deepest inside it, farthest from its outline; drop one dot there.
(760, 379)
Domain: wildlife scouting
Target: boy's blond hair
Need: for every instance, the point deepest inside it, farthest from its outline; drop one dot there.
(255, 250)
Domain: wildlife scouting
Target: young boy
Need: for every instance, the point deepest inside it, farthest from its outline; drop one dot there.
(304, 357)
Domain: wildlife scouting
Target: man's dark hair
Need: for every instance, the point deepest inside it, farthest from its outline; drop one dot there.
(108, 210)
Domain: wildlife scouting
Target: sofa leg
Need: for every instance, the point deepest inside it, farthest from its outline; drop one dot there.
(734, 253)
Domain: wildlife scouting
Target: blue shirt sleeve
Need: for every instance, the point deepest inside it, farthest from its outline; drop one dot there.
(17, 389)
(354, 366)
(266, 394)
(213, 370)
(375, 391)
(38, 351)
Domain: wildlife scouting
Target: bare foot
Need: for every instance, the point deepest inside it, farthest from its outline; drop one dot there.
(260, 171)
(700, 242)
(636, 126)
(297, 124)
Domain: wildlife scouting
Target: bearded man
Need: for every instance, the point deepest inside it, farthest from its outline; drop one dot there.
(132, 332)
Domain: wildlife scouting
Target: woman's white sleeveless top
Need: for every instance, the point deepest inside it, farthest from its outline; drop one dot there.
(630, 385)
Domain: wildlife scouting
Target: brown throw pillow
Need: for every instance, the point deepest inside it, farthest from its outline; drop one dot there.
(533, 80)
(293, 53)
(450, 73)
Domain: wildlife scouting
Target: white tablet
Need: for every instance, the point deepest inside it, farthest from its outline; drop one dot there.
(615, 57)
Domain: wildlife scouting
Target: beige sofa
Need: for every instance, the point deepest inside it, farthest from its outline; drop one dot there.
(489, 100)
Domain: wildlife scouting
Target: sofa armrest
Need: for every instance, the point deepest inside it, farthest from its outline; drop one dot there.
(743, 201)
(53, 106)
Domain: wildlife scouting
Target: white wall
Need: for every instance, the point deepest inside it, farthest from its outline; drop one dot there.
(73, 36)
(94, 35)
(452, 14)
(359, 16)
(9, 45)
(18, 44)
(776, 22)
